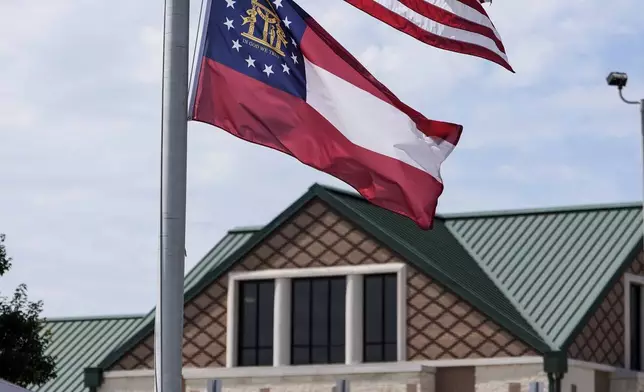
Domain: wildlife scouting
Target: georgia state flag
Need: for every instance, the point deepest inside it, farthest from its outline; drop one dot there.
(269, 74)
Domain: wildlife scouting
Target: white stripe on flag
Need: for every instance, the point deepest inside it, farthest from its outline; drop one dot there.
(371, 123)
(465, 12)
(440, 29)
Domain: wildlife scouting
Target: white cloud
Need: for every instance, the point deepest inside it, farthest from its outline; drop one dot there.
(543, 173)
(21, 23)
(553, 39)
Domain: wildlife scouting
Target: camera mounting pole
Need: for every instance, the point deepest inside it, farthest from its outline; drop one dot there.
(619, 79)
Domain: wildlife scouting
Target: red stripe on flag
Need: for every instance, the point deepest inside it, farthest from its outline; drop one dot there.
(476, 4)
(447, 18)
(260, 114)
(398, 22)
(322, 50)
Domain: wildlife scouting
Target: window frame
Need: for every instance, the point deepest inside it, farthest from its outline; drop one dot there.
(382, 339)
(256, 345)
(282, 306)
(632, 279)
(311, 345)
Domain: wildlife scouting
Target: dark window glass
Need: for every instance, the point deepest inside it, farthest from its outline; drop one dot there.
(380, 321)
(636, 327)
(317, 330)
(256, 323)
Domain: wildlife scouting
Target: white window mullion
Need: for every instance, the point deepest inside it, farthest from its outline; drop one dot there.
(401, 314)
(282, 322)
(353, 319)
(231, 322)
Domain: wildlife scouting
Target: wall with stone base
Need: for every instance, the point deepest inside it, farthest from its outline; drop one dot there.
(399, 377)
(517, 378)
(421, 380)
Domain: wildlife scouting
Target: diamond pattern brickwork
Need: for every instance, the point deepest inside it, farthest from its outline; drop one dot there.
(602, 338)
(441, 325)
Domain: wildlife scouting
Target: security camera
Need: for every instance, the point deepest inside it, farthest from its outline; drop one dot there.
(618, 79)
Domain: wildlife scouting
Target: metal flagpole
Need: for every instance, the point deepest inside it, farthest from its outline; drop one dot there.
(169, 310)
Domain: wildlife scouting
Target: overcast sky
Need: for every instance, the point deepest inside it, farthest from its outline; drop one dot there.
(80, 125)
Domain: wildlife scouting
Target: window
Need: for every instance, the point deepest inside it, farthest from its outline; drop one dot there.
(380, 321)
(256, 323)
(312, 316)
(318, 320)
(636, 326)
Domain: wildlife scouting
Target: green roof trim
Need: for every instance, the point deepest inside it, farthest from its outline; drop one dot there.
(50, 320)
(245, 229)
(541, 210)
(81, 342)
(202, 270)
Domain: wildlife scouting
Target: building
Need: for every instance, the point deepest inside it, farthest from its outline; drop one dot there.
(336, 288)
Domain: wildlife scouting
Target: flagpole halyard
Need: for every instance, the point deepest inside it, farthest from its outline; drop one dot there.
(169, 310)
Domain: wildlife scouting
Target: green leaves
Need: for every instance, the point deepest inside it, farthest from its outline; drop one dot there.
(5, 261)
(22, 341)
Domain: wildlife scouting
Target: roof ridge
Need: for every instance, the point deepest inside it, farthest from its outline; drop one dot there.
(508, 212)
(333, 189)
(245, 229)
(95, 317)
(540, 210)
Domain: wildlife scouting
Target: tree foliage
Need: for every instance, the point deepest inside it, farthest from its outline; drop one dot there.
(22, 344)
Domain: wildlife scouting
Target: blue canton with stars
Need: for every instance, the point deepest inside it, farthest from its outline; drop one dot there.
(261, 39)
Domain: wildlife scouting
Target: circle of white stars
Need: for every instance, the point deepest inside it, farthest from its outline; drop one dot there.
(250, 61)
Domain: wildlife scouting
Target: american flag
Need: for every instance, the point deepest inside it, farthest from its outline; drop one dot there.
(460, 26)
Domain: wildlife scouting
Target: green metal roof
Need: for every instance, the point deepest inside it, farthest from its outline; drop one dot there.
(78, 343)
(232, 241)
(553, 264)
